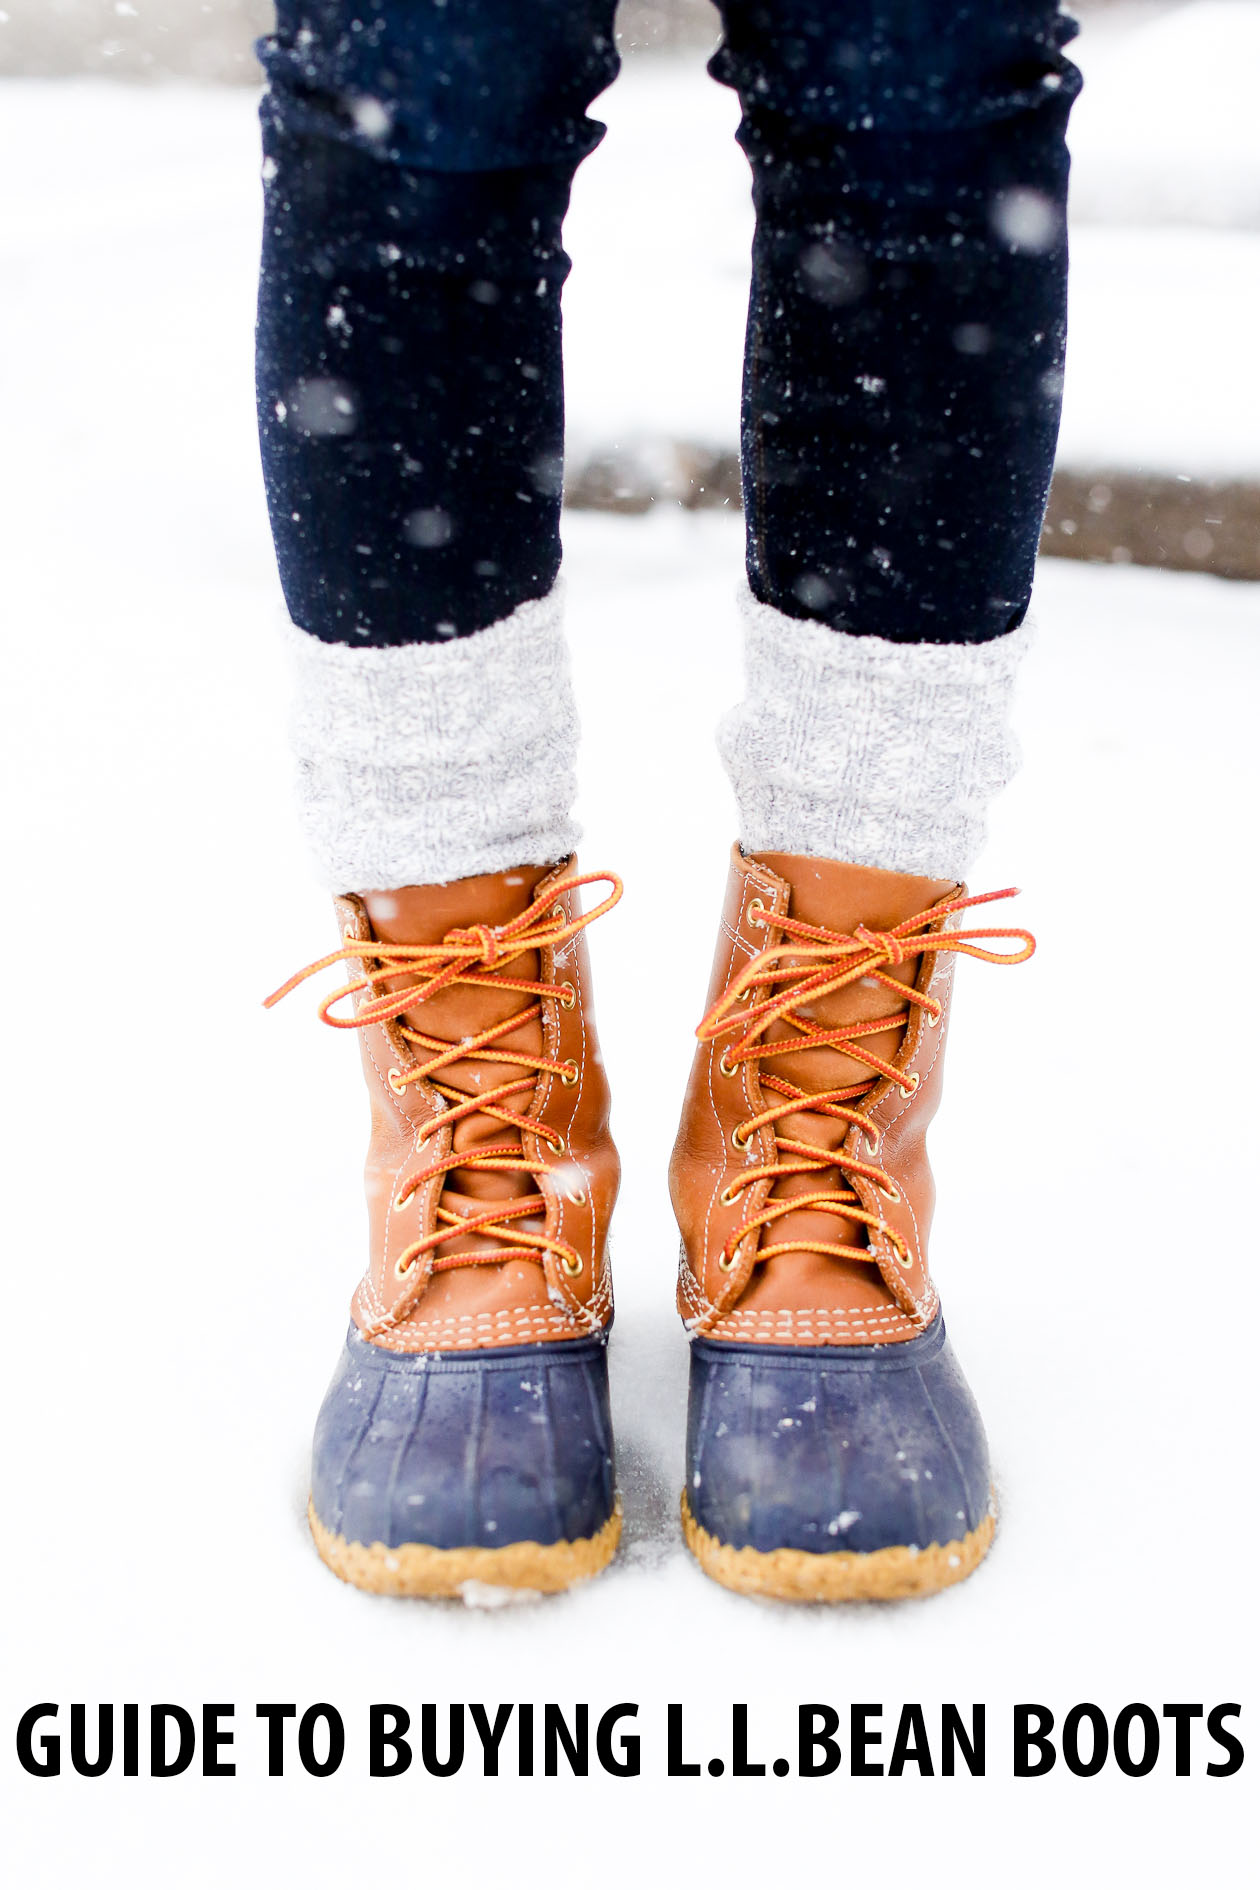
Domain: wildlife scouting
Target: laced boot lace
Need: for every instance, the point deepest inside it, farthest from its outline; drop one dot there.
(480, 955)
(825, 962)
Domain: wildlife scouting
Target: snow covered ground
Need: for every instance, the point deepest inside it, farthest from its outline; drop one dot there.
(1164, 131)
(182, 1207)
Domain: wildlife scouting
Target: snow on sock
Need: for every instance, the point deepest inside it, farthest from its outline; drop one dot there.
(433, 761)
(854, 748)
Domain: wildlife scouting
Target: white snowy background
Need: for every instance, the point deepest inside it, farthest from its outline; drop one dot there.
(183, 1216)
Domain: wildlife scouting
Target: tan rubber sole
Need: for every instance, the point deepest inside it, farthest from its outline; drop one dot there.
(414, 1568)
(892, 1574)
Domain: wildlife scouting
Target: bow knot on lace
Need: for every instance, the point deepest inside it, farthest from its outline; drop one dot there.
(483, 939)
(893, 950)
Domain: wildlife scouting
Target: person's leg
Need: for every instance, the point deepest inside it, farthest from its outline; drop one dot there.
(901, 404)
(418, 159)
(901, 399)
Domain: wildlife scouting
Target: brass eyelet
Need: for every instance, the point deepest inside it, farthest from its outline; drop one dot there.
(905, 1262)
(729, 1195)
(908, 1089)
(725, 1264)
(727, 1069)
(574, 1270)
(556, 1144)
(889, 1194)
(576, 1195)
(756, 908)
(569, 1075)
(737, 1141)
(558, 912)
(568, 995)
(401, 1272)
(933, 1018)
(872, 1144)
(398, 1086)
(401, 1200)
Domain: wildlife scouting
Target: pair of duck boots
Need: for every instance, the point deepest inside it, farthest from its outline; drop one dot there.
(833, 1448)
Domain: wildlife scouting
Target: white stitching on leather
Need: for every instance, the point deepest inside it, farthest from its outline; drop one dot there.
(707, 1235)
(750, 884)
(538, 1318)
(583, 1307)
(806, 1322)
(920, 1299)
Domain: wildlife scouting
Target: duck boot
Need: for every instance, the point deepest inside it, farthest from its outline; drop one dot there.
(466, 1436)
(834, 1451)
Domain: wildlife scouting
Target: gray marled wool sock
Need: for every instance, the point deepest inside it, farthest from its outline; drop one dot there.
(853, 748)
(433, 761)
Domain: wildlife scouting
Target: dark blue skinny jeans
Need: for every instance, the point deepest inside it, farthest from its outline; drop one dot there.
(906, 321)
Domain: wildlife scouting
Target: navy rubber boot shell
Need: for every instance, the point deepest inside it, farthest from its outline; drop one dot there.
(819, 1449)
(467, 1449)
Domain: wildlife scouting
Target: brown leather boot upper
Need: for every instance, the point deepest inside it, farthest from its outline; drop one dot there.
(494, 967)
(848, 1265)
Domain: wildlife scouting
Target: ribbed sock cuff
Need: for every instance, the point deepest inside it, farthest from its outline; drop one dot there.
(854, 748)
(432, 761)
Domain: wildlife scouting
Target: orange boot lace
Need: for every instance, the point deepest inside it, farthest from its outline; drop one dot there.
(832, 960)
(471, 955)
